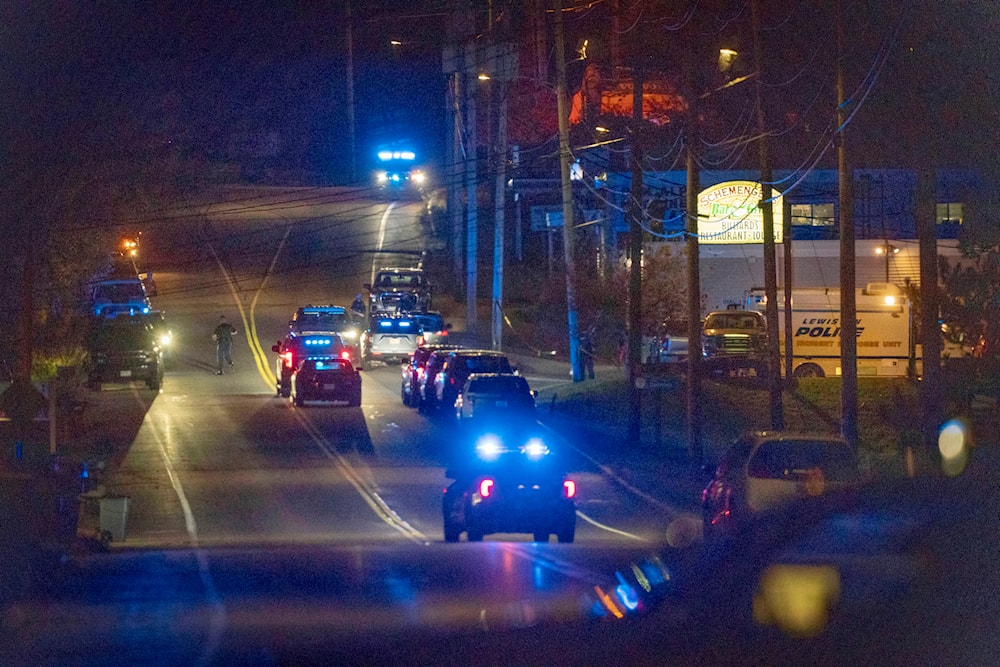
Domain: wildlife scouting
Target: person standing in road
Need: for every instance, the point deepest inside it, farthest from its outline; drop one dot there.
(223, 336)
(358, 309)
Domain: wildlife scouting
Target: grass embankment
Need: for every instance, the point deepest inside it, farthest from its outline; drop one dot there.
(888, 413)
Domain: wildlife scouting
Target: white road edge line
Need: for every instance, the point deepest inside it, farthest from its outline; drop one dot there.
(381, 237)
(600, 525)
(218, 615)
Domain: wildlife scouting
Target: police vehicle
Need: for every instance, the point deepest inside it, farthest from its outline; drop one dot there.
(397, 174)
(513, 484)
(328, 380)
(297, 347)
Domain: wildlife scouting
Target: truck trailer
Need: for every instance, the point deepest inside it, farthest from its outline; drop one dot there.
(883, 327)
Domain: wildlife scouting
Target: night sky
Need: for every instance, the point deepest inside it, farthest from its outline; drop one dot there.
(111, 79)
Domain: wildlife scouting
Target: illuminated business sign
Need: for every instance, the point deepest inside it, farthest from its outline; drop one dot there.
(730, 213)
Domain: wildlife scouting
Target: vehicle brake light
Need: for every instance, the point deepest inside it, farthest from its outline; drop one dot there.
(569, 486)
(486, 487)
(346, 354)
(287, 356)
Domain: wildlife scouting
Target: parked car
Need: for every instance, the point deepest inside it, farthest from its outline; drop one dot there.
(492, 395)
(458, 366)
(764, 470)
(326, 379)
(435, 330)
(426, 396)
(294, 348)
(414, 371)
(511, 483)
(124, 349)
(391, 339)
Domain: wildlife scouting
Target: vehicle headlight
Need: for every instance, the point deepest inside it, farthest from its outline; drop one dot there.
(165, 339)
(489, 447)
(418, 177)
(535, 449)
(350, 334)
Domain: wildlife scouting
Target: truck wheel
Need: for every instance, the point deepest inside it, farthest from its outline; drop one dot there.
(808, 371)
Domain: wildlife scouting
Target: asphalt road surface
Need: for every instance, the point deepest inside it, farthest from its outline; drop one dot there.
(222, 460)
(256, 526)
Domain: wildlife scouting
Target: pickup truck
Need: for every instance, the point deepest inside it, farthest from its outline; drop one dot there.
(734, 341)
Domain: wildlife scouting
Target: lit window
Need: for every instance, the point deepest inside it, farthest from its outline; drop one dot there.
(812, 215)
(950, 214)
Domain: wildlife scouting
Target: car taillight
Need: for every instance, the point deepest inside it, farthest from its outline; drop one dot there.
(444, 332)
(420, 340)
(287, 356)
(486, 487)
(569, 487)
(346, 354)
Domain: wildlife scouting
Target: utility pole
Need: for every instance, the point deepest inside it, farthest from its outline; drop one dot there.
(456, 169)
(848, 296)
(767, 212)
(471, 191)
(635, 267)
(786, 218)
(351, 122)
(567, 196)
(693, 388)
(500, 197)
(930, 327)
(505, 62)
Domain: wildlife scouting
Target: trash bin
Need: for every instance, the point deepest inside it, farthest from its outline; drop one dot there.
(114, 517)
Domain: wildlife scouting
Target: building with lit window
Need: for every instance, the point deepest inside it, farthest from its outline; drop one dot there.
(884, 220)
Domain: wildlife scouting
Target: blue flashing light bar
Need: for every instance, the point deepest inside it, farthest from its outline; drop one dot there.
(385, 156)
(317, 341)
(322, 310)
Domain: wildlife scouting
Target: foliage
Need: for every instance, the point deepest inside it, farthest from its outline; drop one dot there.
(970, 301)
(536, 303)
(664, 290)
